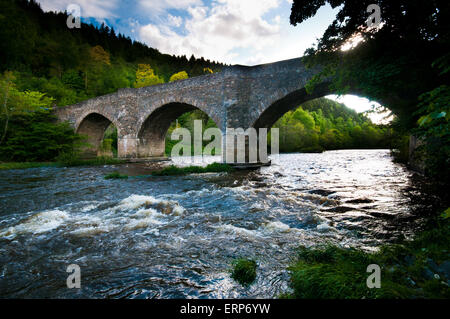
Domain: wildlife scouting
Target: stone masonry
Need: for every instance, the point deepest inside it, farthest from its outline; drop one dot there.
(237, 97)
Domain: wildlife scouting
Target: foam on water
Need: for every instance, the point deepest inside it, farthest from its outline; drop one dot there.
(277, 226)
(37, 224)
(137, 201)
(239, 231)
(133, 213)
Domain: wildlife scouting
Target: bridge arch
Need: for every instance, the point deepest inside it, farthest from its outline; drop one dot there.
(290, 101)
(278, 107)
(153, 129)
(93, 125)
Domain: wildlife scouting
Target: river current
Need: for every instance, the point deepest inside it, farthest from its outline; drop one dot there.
(176, 237)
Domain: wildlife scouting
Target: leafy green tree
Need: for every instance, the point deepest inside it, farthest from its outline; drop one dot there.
(36, 136)
(15, 102)
(145, 76)
(179, 76)
(434, 125)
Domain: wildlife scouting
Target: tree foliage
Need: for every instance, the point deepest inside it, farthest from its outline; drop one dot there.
(145, 76)
(179, 76)
(323, 124)
(36, 136)
(396, 63)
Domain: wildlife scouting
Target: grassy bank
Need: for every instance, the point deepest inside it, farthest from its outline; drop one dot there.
(68, 163)
(409, 269)
(23, 165)
(116, 175)
(176, 171)
(99, 161)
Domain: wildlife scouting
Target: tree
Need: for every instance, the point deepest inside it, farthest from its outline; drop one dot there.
(36, 136)
(405, 20)
(179, 76)
(6, 85)
(145, 76)
(396, 63)
(15, 102)
(97, 58)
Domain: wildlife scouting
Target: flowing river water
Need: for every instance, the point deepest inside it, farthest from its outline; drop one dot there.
(176, 237)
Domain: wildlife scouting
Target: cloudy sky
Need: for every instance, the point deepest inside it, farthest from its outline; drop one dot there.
(245, 32)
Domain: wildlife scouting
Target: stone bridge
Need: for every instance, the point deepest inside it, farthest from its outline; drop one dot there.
(237, 97)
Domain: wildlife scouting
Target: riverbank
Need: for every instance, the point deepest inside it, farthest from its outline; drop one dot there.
(69, 163)
(409, 269)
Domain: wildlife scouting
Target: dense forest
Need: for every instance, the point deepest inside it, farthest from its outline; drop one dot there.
(71, 65)
(323, 124)
(44, 65)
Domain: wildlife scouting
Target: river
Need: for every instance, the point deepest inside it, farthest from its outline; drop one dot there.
(175, 237)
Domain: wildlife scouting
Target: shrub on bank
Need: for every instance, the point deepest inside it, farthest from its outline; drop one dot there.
(37, 137)
(409, 269)
(244, 271)
(116, 175)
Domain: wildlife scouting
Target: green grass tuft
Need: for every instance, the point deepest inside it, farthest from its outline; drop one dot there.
(176, 171)
(244, 271)
(116, 175)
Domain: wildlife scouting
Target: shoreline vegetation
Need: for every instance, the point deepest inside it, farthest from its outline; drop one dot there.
(99, 161)
(173, 170)
(244, 271)
(68, 161)
(417, 269)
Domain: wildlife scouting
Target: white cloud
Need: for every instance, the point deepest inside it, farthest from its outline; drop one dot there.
(89, 8)
(157, 6)
(175, 21)
(216, 32)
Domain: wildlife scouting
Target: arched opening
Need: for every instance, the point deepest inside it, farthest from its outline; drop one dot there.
(155, 134)
(319, 122)
(291, 101)
(101, 135)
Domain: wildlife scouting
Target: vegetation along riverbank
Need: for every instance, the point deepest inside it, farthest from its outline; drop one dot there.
(409, 269)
